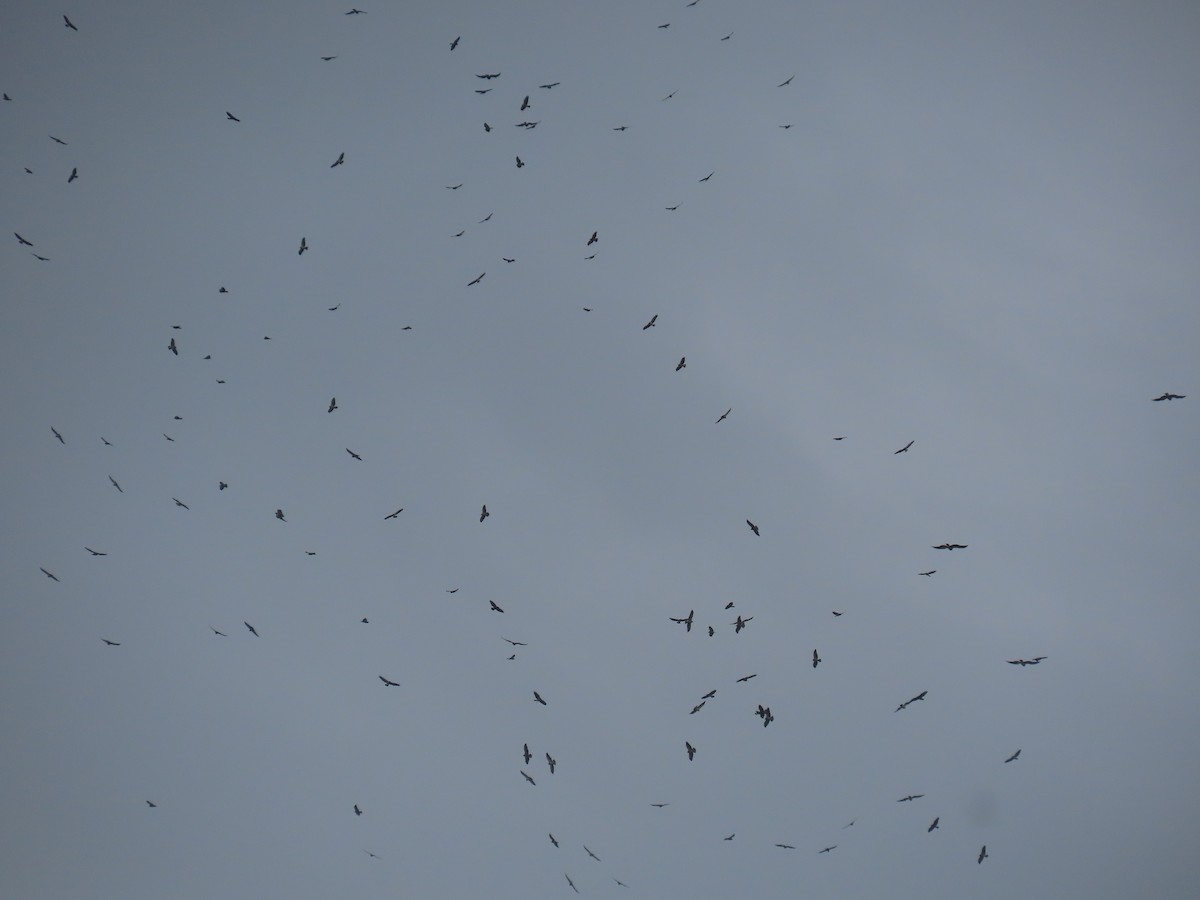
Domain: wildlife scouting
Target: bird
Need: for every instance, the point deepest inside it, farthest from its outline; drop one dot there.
(58, 140)
(816, 659)
(1169, 396)
(524, 104)
(595, 237)
(221, 485)
(740, 624)
(786, 846)
(667, 25)
(519, 163)
(553, 84)
(785, 83)
(339, 161)
(489, 77)
(836, 613)
(94, 552)
(827, 849)
(223, 290)
(671, 208)
(485, 218)
(310, 552)
(767, 717)
(650, 324)
(910, 797)
(724, 416)
(711, 631)
(620, 882)
(747, 677)
(1014, 756)
(372, 855)
(355, 455)
(454, 43)
(1026, 662)
(753, 527)
(393, 515)
(904, 449)
(168, 437)
(173, 347)
(687, 620)
(691, 751)
(495, 608)
(252, 629)
(461, 233)
(387, 683)
(356, 12)
(682, 364)
(40, 257)
(569, 881)
(73, 176)
(148, 803)
(483, 513)
(670, 95)
(927, 574)
(477, 280)
(552, 840)
(509, 640)
(57, 435)
(591, 854)
(710, 694)
(729, 837)
(357, 811)
(933, 824)
(785, 126)
(328, 58)
(484, 91)
(697, 707)
(49, 575)
(364, 620)
(67, 23)
(179, 502)
(111, 643)
(231, 117)
(621, 128)
(487, 127)
(303, 246)
(707, 177)
(528, 756)
(982, 854)
(659, 805)
(950, 547)
(528, 778)
(332, 404)
(279, 515)
(218, 633)
(538, 698)
(453, 187)
(22, 240)
(452, 590)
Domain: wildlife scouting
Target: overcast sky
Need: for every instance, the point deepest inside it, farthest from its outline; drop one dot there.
(977, 234)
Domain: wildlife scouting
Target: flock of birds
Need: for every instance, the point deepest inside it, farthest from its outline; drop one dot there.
(740, 623)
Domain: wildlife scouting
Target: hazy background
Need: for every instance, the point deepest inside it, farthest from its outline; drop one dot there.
(979, 235)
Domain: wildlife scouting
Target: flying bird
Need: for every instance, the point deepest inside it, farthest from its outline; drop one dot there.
(524, 104)
(73, 176)
(621, 128)
(40, 257)
(827, 849)
(1169, 396)
(699, 706)
(786, 846)
(67, 23)
(528, 778)
(691, 751)
(670, 95)
(753, 527)
(111, 643)
(393, 515)
(595, 237)
(49, 575)
(591, 854)
(552, 840)
(930, 572)
(252, 629)
(910, 797)
(173, 347)
(221, 485)
(747, 677)
(332, 404)
(218, 633)
(58, 140)
(357, 811)
(686, 620)
(659, 805)
(509, 640)
(339, 161)
(94, 552)
(904, 449)
(454, 43)
(279, 515)
(709, 695)
(836, 613)
(950, 547)
(483, 513)
(477, 280)
(231, 117)
(1014, 756)
(179, 502)
(569, 881)
(148, 803)
(682, 364)
(538, 698)
(519, 163)
(785, 83)
(551, 85)
(816, 659)
(489, 77)
(741, 623)
(1026, 662)
(708, 176)
(729, 837)
(168, 437)
(328, 58)
(57, 435)
(933, 824)
(484, 91)
(453, 187)
(303, 246)
(650, 324)
(387, 683)
(23, 241)
(724, 416)
(528, 756)
(495, 608)
(671, 208)
(356, 12)
(982, 854)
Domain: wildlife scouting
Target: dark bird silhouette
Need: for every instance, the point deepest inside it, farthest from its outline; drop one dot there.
(709, 695)
(231, 117)
(741, 623)
(148, 803)
(452, 590)
(507, 259)
(933, 824)
(687, 620)
(328, 58)
(461, 233)
(393, 515)
(223, 290)
(753, 527)
(332, 404)
(591, 854)
(528, 778)
(621, 128)
(355, 455)
(483, 513)
(786, 846)
(519, 163)
(930, 572)
(454, 43)
(22, 240)
(173, 347)
(836, 613)
(827, 849)
(667, 25)
(659, 805)
(904, 449)
(179, 502)
(372, 855)
(67, 23)
(489, 77)
(94, 552)
(569, 881)
(510, 641)
(303, 246)
(495, 608)
(310, 552)
(217, 633)
(724, 416)
(747, 677)
(682, 364)
(528, 756)
(279, 515)
(595, 237)
(982, 854)
(909, 798)
(707, 177)
(485, 218)
(356, 12)
(691, 751)
(699, 706)
(1026, 662)
(339, 161)
(57, 435)
(1014, 756)
(524, 104)
(73, 176)
(221, 485)
(670, 95)
(168, 437)
(111, 643)
(477, 280)
(538, 698)
(357, 811)
(650, 324)
(785, 83)
(785, 126)
(40, 257)
(671, 208)
(553, 84)
(729, 837)
(453, 187)
(552, 840)
(950, 547)
(387, 683)
(58, 140)
(49, 575)
(1169, 396)
(816, 659)
(252, 629)
(484, 91)
(487, 127)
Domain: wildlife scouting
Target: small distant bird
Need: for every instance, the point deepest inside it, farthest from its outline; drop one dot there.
(23, 241)
(709, 695)
(691, 751)
(454, 43)
(910, 797)
(279, 515)
(671, 208)
(930, 572)
(357, 811)
(49, 575)
(519, 163)
(355, 455)
(685, 621)
(477, 280)
(816, 659)
(1170, 396)
(551, 762)
(711, 631)
(741, 623)
(483, 513)
(1026, 662)
(231, 117)
(252, 629)
(453, 187)
(393, 515)
(591, 854)
(328, 58)
(310, 552)
(179, 502)
(489, 77)
(372, 855)
(73, 176)
(747, 677)
(708, 176)
(621, 128)
(303, 245)
(933, 824)
(904, 449)
(484, 91)
(69, 24)
(786, 846)
(659, 805)
(364, 620)
(667, 25)
(827, 849)
(595, 237)
(682, 364)
(58, 140)
(670, 95)
(552, 840)
(57, 435)
(485, 218)
(508, 260)
(727, 37)
(524, 104)
(785, 126)
(528, 756)
(40, 257)
(753, 527)
(495, 608)
(332, 404)
(650, 324)
(173, 347)
(538, 698)
(461, 233)
(729, 837)
(528, 778)
(223, 290)
(387, 683)
(356, 12)
(168, 437)
(982, 854)
(836, 613)
(218, 633)
(1014, 756)
(148, 803)
(699, 706)
(339, 161)
(111, 643)
(221, 485)
(785, 83)
(553, 84)
(569, 881)
(950, 547)
(98, 553)
(487, 127)
(724, 416)
(507, 640)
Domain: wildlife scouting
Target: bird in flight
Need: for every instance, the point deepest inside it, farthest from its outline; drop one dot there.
(904, 449)
(836, 613)
(73, 176)
(339, 161)
(528, 756)
(393, 515)
(453, 187)
(279, 515)
(910, 797)
(524, 104)
(591, 854)
(538, 698)
(528, 777)
(111, 643)
(659, 805)
(510, 641)
(356, 12)
(933, 824)
(747, 677)
(786, 846)
(303, 246)
(551, 762)
(667, 25)
(357, 811)
(569, 881)
(519, 163)
(387, 683)
(332, 404)
(483, 513)
(699, 706)
(328, 58)
(231, 117)
(551, 85)
(217, 633)
(1169, 396)
(1014, 756)
(827, 849)
(60, 140)
(753, 527)
(729, 837)
(670, 95)
(94, 552)
(650, 324)
(355, 455)
(57, 435)
(372, 855)
(710, 694)
(148, 803)
(221, 485)
(785, 83)
(816, 659)
(785, 126)
(67, 23)
(724, 416)
(1026, 662)
(252, 629)
(495, 608)
(706, 177)
(477, 280)
(682, 364)
(687, 620)
(173, 347)
(454, 43)
(595, 237)
(23, 241)
(950, 547)
(49, 575)
(484, 91)
(930, 572)
(691, 751)
(179, 502)
(489, 77)
(741, 623)
(552, 840)
(982, 854)
(621, 128)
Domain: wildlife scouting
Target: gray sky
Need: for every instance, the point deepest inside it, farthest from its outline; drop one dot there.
(978, 235)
